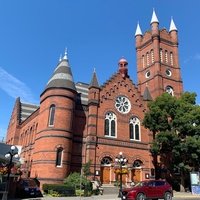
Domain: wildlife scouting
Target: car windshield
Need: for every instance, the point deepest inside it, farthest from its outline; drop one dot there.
(29, 183)
(139, 184)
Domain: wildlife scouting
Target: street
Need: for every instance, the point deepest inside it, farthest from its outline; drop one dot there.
(177, 196)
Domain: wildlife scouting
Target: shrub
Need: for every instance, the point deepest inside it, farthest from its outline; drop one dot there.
(79, 182)
(58, 190)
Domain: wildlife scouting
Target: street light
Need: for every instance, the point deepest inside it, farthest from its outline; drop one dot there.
(12, 153)
(121, 160)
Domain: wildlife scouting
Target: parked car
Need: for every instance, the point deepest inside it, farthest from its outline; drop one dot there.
(151, 189)
(27, 188)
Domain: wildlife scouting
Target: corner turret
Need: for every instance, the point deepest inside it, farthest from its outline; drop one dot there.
(154, 24)
(62, 76)
(123, 67)
(138, 35)
(173, 31)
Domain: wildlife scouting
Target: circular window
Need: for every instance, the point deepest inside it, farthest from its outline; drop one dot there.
(122, 104)
(147, 74)
(168, 72)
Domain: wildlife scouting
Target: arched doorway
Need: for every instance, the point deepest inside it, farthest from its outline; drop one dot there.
(136, 172)
(106, 170)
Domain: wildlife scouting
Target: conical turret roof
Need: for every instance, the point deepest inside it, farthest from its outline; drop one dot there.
(94, 81)
(154, 17)
(138, 30)
(62, 76)
(172, 26)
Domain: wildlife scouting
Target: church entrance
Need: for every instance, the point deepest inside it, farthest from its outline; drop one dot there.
(136, 175)
(136, 172)
(105, 175)
(106, 170)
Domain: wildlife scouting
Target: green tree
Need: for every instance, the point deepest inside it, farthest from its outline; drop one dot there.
(175, 124)
(86, 169)
(76, 180)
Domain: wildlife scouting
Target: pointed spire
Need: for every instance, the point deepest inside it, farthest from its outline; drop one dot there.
(94, 81)
(65, 55)
(138, 30)
(172, 26)
(60, 59)
(154, 17)
(147, 95)
(62, 76)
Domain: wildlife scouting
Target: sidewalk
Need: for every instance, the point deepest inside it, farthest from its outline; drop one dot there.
(186, 195)
(179, 195)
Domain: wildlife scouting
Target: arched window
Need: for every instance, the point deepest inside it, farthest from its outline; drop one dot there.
(147, 58)
(51, 115)
(166, 57)
(110, 124)
(134, 128)
(152, 56)
(59, 155)
(169, 90)
(106, 161)
(143, 62)
(137, 163)
(161, 55)
(171, 59)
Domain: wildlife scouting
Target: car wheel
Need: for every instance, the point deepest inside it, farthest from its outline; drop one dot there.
(168, 196)
(140, 196)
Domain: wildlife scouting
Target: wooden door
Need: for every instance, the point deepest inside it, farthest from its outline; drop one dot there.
(136, 175)
(105, 175)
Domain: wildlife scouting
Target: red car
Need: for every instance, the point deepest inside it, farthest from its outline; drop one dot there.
(151, 189)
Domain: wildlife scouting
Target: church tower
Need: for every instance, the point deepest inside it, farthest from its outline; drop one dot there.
(53, 142)
(158, 67)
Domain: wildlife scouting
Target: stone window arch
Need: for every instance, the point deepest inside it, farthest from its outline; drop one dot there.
(166, 56)
(143, 61)
(171, 59)
(152, 56)
(169, 90)
(51, 115)
(110, 124)
(59, 156)
(147, 58)
(134, 128)
(137, 163)
(107, 160)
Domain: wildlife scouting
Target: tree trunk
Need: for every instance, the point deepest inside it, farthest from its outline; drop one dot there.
(182, 183)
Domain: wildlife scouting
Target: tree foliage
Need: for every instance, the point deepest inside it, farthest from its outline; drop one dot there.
(75, 180)
(175, 124)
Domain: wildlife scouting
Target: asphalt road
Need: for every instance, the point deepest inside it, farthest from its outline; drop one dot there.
(177, 196)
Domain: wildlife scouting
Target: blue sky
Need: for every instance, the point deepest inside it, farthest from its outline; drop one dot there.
(97, 33)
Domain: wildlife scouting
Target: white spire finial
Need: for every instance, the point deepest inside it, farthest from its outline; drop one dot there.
(154, 17)
(65, 54)
(60, 58)
(94, 70)
(138, 30)
(172, 25)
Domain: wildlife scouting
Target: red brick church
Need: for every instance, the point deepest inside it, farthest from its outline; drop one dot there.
(80, 122)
